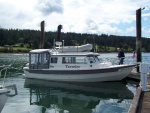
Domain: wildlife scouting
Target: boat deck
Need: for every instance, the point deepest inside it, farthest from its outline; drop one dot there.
(144, 102)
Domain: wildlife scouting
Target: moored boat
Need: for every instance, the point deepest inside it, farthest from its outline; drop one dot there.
(73, 65)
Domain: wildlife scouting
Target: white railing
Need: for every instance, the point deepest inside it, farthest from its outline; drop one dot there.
(4, 68)
(115, 60)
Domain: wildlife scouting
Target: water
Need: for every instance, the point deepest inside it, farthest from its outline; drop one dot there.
(38, 96)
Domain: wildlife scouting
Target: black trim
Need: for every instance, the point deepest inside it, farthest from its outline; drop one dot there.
(72, 72)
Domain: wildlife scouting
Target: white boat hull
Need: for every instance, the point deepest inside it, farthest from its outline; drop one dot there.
(85, 77)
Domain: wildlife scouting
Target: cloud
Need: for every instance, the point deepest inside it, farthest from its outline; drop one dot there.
(131, 29)
(47, 7)
(81, 16)
(107, 29)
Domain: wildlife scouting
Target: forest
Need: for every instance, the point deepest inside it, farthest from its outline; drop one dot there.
(16, 40)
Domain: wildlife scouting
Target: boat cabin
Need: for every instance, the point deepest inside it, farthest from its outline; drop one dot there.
(51, 59)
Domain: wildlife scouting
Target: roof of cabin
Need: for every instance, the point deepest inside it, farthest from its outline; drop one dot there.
(76, 54)
(55, 53)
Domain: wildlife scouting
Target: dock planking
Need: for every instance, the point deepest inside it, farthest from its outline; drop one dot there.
(141, 100)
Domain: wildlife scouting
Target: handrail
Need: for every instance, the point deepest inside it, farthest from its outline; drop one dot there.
(4, 67)
(13, 87)
(114, 60)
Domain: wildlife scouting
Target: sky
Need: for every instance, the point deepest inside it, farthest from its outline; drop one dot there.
(112, 17)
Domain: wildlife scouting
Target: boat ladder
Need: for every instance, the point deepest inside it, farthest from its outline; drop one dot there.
(6, 89)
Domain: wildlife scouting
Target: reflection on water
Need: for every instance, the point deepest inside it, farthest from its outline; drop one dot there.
(79, 98)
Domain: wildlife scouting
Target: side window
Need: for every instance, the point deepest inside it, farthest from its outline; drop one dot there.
(54, 59)
(63, 60)
(80, 60)
(68, 60)
(74, 60)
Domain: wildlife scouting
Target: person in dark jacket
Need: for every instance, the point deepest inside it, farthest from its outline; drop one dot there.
(120, 56)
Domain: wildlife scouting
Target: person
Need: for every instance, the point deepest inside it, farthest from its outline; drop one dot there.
(120, 56)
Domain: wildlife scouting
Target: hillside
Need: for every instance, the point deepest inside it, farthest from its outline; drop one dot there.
(15, 40)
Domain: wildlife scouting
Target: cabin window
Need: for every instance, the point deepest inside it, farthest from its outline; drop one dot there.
(64, 60)
(92, 59)
(74, 60)
(39, 60)
(54, 59)
(42, 59)
(80, 60)
(97, 59)
(34, 58)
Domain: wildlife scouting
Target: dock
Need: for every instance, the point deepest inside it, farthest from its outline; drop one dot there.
(141, 100)
(3, 99)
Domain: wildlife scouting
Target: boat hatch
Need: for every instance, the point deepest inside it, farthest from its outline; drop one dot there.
(39, 60)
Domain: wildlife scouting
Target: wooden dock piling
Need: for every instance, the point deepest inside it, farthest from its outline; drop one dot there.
(138, 37)
(42, 35)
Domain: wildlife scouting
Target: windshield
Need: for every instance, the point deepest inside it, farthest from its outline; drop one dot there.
(39, 60)
(93, 59)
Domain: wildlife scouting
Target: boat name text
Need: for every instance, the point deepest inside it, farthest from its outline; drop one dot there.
(72, 66)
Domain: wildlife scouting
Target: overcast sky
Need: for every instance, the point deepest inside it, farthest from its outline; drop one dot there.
(112, 17)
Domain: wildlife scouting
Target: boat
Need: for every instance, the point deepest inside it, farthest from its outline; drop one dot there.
(6, 91)
(72, 63)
